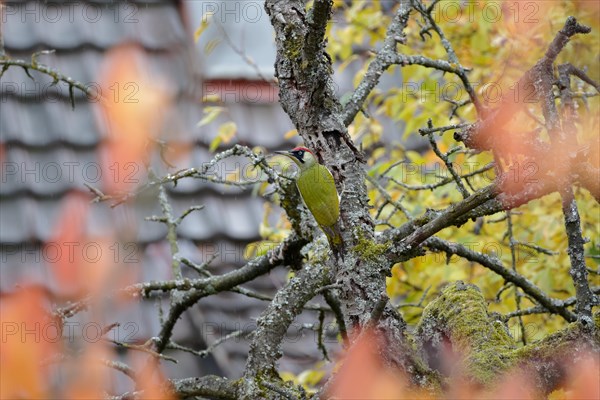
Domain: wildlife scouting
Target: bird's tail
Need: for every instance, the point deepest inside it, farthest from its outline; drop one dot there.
(334, 237)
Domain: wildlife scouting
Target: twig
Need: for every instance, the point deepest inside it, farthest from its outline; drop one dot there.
(212, 347)
(320, 343)
(70, 310)
(418, 304)
(388, 197)
(240, 52)
(442, 129)
(513, 257)
(383, 60)
(220, 283)
(200, 269)
(255, 295)
(445, 181)
(201, 173)
(171, 229)
(143, 348)
(444, 158)
(120, 366)
(495, 265)
(336, 307)
(537, 248)
(542, 310)
(272, 325)
(2, 51)
(56, 76)
(444, 219)
(460, 71)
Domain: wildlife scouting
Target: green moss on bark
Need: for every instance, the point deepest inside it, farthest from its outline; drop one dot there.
(459, 317)
(369, 250)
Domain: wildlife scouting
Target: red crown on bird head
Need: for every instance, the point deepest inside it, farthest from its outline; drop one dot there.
(302, 148)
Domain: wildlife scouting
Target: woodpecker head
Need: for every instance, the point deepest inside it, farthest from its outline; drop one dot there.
(303, 157)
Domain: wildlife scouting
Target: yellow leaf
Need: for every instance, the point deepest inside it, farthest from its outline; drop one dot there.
(227, 131)
(211, 45)
(203, 25)
(211, 98)
(210, 114)
(290, 134)
(214, 144)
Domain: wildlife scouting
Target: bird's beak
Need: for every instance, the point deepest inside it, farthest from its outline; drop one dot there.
(283, 153)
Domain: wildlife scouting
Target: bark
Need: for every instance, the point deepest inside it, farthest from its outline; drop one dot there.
(304, 73)
(457, 331)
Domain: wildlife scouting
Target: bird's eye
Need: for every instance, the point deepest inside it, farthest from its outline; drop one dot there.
(301, 153)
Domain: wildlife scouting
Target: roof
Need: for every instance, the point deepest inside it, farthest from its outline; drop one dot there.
(229, 40)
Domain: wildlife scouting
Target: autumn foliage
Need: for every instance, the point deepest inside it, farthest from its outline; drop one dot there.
(498, 137)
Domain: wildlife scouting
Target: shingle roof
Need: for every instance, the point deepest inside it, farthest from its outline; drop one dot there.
(50, 150)
(234, 30)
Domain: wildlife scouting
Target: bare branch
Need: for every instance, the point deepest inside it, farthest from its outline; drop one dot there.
(512, 243)
(461, 187)
(460, 71)
(209, 386)
(55, 75)
(122, 367)
(431, 186)
(448, 217)
(509, 275)
(258, 160)
(211, 348)
(317, 19)
(273, 324)
(334, 303)
(383, 60)
(208, 286)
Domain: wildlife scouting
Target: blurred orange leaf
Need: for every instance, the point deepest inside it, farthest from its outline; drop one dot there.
(134, 104)
(64, 250)
(29, 336)
(363, 375)
(87, 376)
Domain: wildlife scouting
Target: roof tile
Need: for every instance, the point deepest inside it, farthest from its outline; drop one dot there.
(13, 220)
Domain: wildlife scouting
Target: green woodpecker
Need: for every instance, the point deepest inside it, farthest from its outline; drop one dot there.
(317, 188)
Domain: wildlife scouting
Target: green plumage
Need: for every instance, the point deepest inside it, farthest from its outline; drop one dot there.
(317, 187)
